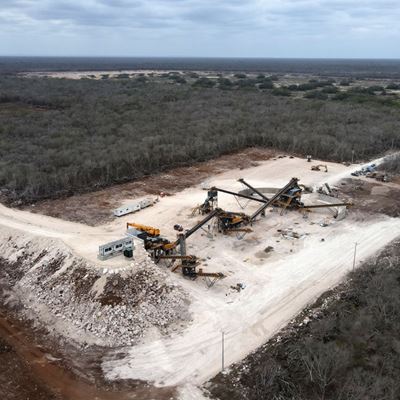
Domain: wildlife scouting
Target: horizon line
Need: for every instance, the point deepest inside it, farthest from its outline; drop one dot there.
(201, 57)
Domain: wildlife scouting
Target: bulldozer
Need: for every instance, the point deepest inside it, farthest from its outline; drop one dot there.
(318, 167)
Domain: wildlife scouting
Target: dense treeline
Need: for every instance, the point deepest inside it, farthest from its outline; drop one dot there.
(351, 353)
(58, 136)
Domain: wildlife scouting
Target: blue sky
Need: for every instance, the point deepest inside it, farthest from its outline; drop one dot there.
(219, 28)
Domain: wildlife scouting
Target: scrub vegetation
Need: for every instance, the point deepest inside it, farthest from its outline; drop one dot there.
(350, 351)
(391, 164)
(63, 136)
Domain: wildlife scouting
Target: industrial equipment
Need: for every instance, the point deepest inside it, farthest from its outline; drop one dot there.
(149, 230)
(318, 167)
(287, 197)
(161, 248)
(209, 204)
(229, 221)
(306, 189)
(379, 176)
(245, 196)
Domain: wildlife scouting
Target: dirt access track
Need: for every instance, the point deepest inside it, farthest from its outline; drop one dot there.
(278, 282)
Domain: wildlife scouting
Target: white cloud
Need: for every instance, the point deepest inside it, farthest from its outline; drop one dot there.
(160, 26)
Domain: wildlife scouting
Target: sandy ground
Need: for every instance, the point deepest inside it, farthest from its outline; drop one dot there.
(278, 284)
(113, 73)
(90, 74)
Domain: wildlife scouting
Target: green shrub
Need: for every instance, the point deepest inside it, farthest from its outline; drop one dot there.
(330, 90)
(266, 85)
(281, 91)
(204, 82)
(393, 86)
(316, 94)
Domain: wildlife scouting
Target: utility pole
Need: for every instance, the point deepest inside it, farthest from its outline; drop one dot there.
(352, 156)
(223, 351)
(355, 252)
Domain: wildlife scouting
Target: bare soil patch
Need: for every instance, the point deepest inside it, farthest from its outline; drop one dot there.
(17, 381)
(34, 367)
(96, 207)
(373, 197)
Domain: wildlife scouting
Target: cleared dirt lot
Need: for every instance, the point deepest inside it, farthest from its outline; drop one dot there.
(94, 208)
(278, 283)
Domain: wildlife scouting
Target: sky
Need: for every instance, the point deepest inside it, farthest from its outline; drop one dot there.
(201, 28)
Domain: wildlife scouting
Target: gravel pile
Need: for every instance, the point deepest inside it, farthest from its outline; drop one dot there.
(90, 305)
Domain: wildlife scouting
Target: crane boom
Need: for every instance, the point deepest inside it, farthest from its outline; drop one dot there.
(143, 228)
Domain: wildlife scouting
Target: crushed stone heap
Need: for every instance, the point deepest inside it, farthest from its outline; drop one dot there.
(84, 303)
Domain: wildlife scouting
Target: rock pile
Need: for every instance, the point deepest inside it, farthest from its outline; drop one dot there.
(90, 305)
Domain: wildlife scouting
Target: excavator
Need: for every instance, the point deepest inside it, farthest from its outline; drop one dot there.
(318, 167)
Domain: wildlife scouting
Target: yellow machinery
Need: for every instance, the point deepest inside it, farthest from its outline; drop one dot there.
(143, 228)
(318, 167)
(161, 248)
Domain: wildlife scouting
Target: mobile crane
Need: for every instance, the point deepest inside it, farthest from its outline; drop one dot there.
(148, 230)
(161, 248)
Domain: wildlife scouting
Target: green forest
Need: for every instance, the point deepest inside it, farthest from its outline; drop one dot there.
(60, 136)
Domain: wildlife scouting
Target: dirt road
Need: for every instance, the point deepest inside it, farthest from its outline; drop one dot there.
(272, 297)
(28, 371)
